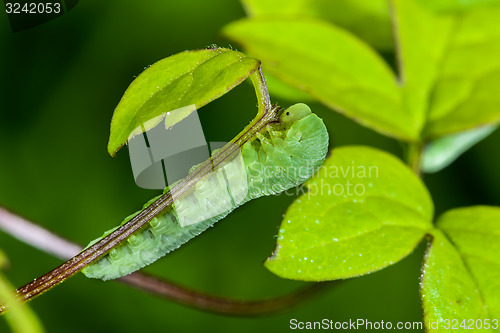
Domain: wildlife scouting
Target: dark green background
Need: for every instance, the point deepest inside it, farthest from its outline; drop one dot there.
(59, 85)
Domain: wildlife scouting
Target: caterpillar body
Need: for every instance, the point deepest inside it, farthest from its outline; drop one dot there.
(282, 155)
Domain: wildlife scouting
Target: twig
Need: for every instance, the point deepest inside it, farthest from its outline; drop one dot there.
(36, 236)
(44, 240)
(94, 252)
(222, 305)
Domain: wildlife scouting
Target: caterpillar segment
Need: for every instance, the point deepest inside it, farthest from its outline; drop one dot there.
(282, 155)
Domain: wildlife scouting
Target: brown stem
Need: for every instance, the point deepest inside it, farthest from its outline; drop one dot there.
(53, 244)
(40, 238)
(222, 305)
(97, 250)
(261, 91)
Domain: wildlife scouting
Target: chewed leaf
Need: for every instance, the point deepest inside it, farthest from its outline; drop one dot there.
(342, 226)
(443, 151)
(448, 290)
(184, 81)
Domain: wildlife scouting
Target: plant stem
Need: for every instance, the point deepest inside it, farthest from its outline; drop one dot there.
(414, 157)
(41, 238)
(36, 236)
(222, 305)
(106, 244)
(261, 91)
(44, 240)
(266, 115)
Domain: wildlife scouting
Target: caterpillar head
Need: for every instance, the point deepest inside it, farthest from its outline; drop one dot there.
(294, 113)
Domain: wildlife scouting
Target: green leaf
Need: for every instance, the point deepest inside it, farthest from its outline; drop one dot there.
(475, 232)
(443, 151)
(455, 6)
(369, 20)
(20, 317)
(421, 38)
(364, 210)
(466, 92)
(447, 289)
(188, 80)
(331, 65)
(449, 64)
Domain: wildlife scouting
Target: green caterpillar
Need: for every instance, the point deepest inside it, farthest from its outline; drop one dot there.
(282, 155)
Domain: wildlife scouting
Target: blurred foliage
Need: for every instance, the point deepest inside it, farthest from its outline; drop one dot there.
(368, 20)
(349, 14)
(60, 84)
(330, 65)
(440, 153)
(20, 317)
(447, 71)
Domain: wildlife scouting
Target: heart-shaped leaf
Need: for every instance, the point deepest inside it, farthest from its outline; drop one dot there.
(364, 210)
